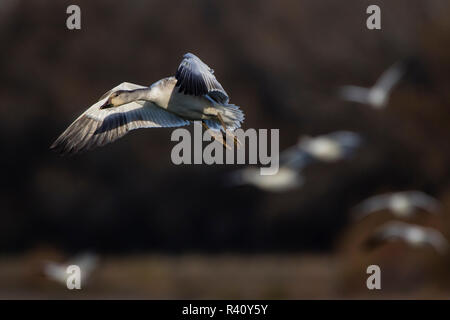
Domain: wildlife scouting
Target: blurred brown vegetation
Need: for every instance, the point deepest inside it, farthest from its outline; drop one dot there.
(281, 61)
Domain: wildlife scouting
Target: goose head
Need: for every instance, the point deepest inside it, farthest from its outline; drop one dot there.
(117, 98)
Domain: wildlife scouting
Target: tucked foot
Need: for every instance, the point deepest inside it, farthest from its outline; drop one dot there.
(217, 136)
(227, 132)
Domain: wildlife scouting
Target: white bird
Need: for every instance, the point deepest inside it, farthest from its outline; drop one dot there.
(378, 95)
(414, 235)
(285, 179)
(330, 147)
(402, 204)
(193, 94)
(87, 262)
(327, 148)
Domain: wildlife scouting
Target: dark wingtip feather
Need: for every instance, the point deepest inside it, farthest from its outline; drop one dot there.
(194, 77)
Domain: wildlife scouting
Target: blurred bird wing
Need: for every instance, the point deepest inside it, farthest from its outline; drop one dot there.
(55, 271)
(390, 77)
(371, 205)
(248, 175)
(194, 77)
(346, 138)
(87, 263)
(354, 93)
(245, 176)
(295, 158)
(437, 240)
(393, 230)
(285, 179)
(423, 201)
(97, 127)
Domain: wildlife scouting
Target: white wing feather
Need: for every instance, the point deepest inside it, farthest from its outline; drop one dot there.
(97, 127)
(354, 93)
(390, 77)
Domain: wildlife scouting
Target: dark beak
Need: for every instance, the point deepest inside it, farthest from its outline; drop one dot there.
(106, 105)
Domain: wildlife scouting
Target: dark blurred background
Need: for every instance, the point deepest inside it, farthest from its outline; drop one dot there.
(281, 61)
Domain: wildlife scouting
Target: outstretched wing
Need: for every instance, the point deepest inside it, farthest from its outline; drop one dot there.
(387, 232)
(423, 201)
(295, 158)
(437, 240)
(97, 127)
(55, 272)
(391, 77)
(354, 93)
(370, 205)
(194, 77)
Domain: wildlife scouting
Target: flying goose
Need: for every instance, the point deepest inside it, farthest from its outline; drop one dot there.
(402, 204)
(291, 162)
(330, 147)
(87, 262)
(378, 95)
(193, 94)
(327, 148)
(287, 178)
(413, 235)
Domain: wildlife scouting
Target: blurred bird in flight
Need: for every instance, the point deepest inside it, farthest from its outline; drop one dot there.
(287, 178)
(401, 204)
(325, 148)
(378, 95)
(330, 147)
(87, 262)
(193, 94)
(413, 235)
